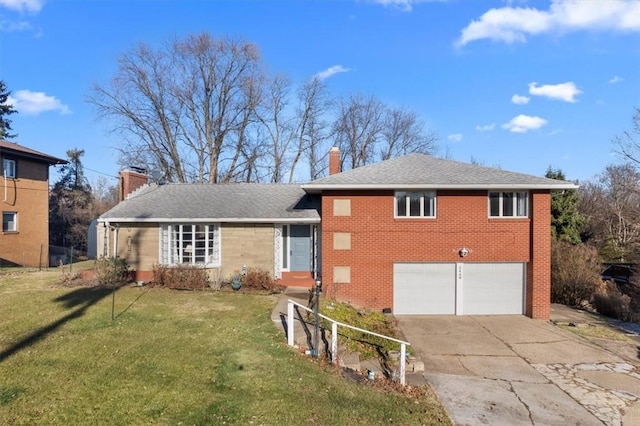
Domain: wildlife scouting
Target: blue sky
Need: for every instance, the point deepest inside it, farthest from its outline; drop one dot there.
(521, 85)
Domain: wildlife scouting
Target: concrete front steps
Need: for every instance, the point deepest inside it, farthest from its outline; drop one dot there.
(296, 279)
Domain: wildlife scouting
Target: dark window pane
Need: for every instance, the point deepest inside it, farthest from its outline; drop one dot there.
(414, 203)
(494, 204)
(507, 204)
(401, 204)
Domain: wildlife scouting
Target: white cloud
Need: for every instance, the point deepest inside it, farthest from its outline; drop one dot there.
(34, 103)
(520, 100)
(456, 137)
(11, 26)
(566, 92)
(515, 24)
(32, 6)
(486, 127)
(616, 79)
(523, 123)
(404, 5)
(322, 75)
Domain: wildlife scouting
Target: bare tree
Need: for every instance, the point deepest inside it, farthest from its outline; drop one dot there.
(404, 133)
(612, 208)
(358, 129)
(312, 128)
(628, 145)
(278, 125)
(184, 108)
(367, 131)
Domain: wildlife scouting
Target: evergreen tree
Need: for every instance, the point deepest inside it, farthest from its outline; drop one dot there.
(566, 221)
(72, 206)
(5, 110)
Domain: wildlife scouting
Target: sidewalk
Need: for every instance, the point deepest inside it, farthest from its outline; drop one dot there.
(302, 338)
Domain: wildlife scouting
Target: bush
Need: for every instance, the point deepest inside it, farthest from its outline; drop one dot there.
(180, 277)
(575, 273)
(614, 304)
(258, 279)
(112, 271)
(367, 345)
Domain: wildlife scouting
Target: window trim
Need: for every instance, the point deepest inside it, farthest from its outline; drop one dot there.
(515, 199)
(15, 222)
(422, 215)
(5, 162)
(170, 254)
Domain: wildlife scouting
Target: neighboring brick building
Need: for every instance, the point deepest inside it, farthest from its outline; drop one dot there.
(413, 235)
(24, 187)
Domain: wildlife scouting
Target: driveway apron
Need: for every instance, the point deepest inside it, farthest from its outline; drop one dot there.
(512, 370)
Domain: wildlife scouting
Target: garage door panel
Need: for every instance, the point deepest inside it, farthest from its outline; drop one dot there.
(424, 288)
(493, 288)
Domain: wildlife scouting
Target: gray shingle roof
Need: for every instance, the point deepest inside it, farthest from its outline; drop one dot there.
(241, 202)
(424, 171)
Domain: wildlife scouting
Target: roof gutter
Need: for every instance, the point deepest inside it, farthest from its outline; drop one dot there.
(206, 220)
(312, 188)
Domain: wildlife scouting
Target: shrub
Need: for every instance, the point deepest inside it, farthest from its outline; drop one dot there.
(112, 271)
(180, 277)
(367, 345)
(575, 273)
(258, 279)
(612, 303)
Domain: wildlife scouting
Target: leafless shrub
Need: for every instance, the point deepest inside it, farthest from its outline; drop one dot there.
(613, 303)
(258, 279)
(575, 273)
(180, 277)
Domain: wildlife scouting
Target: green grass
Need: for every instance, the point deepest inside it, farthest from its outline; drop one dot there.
(169, 357)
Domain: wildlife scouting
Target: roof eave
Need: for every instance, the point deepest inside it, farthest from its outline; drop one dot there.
(207, 220)
(312, 189)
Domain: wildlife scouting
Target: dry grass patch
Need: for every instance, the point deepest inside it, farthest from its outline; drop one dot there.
(592, 330)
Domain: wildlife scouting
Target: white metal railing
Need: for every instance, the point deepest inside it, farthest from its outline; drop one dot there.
(334, 336)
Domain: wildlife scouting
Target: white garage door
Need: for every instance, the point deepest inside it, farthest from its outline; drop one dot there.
(421, 288)
(493, 288)
(458, 288)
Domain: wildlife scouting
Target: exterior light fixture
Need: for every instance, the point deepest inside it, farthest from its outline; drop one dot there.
(463, 252)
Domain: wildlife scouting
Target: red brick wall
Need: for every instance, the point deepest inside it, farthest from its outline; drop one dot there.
(378, 240)
(538, 303)
(28, 196)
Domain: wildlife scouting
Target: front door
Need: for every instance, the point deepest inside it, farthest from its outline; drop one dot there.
(300, 238)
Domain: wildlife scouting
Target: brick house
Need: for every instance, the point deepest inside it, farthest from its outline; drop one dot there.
(411, 235)
(24, 183)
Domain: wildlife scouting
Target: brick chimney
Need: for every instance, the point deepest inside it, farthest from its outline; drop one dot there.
(130, 180)
(334, 161)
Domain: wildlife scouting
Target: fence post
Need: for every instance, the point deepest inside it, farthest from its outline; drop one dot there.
(290, 323)
(403, 362)
(334, 342)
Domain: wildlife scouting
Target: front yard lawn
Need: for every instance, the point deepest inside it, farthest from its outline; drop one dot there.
(169, 357)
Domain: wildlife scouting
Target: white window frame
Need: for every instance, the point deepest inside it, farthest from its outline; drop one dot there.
(177, 249)
(14, 221)
(516, 196)
(9, 168)
(423, 207)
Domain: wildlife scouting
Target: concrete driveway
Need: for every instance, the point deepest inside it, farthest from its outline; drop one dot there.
(512, 370)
